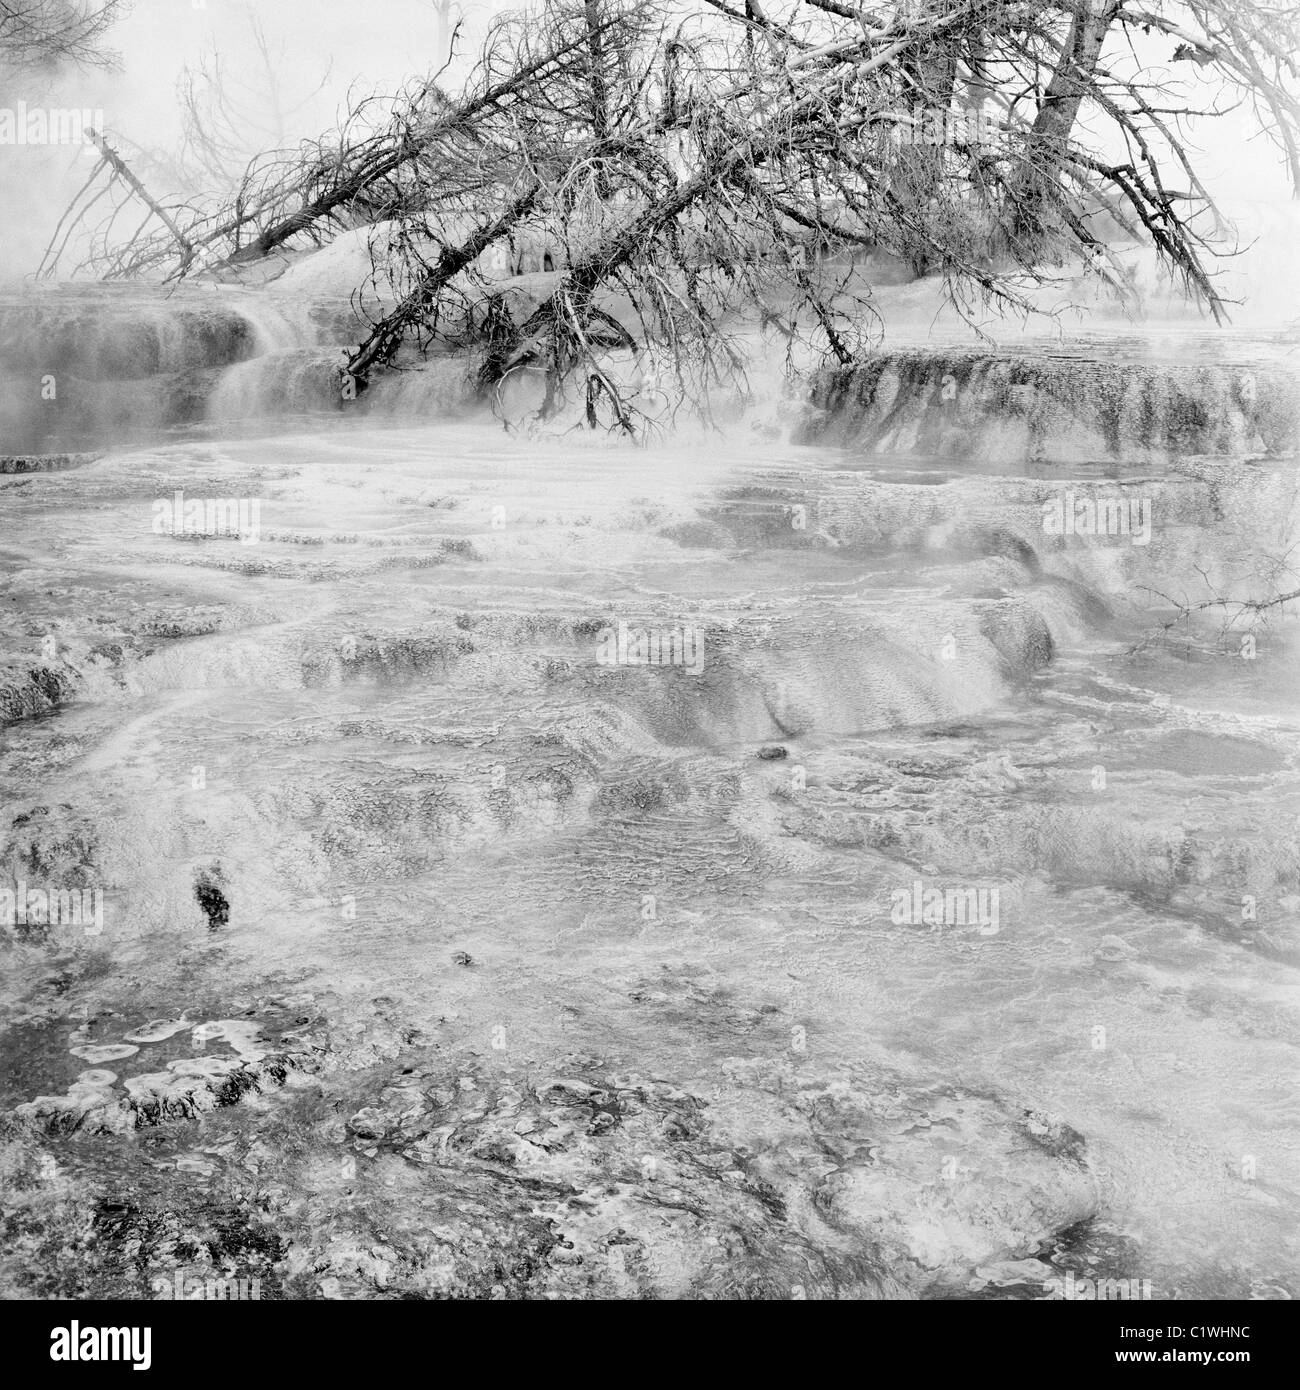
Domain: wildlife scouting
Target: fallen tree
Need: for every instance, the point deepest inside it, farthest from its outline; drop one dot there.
(691, 167)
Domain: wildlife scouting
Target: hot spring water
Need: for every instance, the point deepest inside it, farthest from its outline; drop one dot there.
(734, 865)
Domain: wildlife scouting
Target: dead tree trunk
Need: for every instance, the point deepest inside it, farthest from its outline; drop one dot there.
(413, 311)
(599, 87)
(1072, 80)
(123, 171)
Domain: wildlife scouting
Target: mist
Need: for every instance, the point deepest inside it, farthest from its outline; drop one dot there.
(322, 51)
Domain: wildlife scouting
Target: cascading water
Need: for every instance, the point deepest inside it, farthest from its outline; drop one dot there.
(546, 866)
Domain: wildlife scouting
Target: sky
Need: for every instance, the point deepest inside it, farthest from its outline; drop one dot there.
(375, 43)
(372, 43)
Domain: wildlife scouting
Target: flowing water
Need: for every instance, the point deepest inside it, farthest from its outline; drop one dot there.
(556, 974)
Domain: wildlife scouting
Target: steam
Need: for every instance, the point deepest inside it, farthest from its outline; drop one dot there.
(311, 40)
